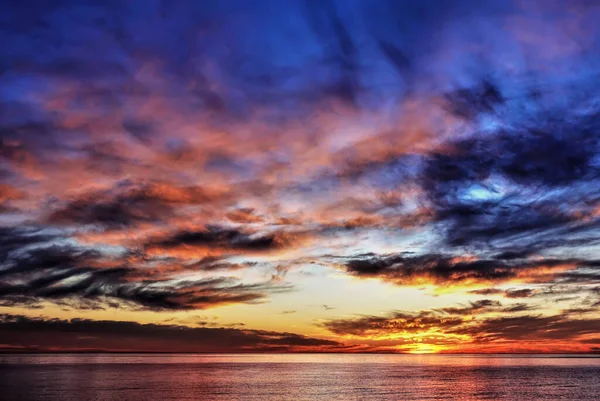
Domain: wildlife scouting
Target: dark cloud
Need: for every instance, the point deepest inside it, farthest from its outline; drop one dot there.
(487, 291)
(485, 306)
(473, 307)
(469, 103)
(54, 272)
(14, 238)
(212, 263)
(591, 276)
(482, 223)
(54, 257)
(463, 182)
(128, 204)
(217, 237)
(510, 293)
(37, 334)
(529, 328)
(116, 213)
(520, 307)
(12, 301)
(397, 322)
(522, 293)
(121, 287)
(578, 311)
(405, 268)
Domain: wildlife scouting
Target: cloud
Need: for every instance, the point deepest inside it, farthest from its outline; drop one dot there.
(59, 272)
(13, 238)
(510, 293)
(529, 327)
(584, 290)
(244, 216)
(398, 322)
(440, 269)
(212, 263)
(215, 238)
(475, 193)
(468, 103)
(39, 334)
(484, 333)
(473, 307)
(129, 204)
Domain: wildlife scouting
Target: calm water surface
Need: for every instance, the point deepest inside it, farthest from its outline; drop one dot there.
(298, 377)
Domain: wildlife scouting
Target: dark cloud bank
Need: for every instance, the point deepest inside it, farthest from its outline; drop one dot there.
(79, 335)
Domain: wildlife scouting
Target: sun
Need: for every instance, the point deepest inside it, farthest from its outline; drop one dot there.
(420, 348)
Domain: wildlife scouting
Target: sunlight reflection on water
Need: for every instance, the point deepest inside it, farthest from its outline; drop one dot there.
(298, 377)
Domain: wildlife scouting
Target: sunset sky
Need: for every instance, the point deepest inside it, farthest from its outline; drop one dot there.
(300, 176)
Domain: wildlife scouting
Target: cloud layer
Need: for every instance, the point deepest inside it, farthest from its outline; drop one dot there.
(166, 157)
(78, 335)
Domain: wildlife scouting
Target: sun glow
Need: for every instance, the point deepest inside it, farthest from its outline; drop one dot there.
(420, 348)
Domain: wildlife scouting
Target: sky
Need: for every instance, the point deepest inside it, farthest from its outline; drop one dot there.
(300, 176)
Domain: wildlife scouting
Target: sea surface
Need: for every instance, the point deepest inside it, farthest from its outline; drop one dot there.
(142, 377)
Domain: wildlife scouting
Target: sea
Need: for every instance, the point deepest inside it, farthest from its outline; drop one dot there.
(265, 377)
